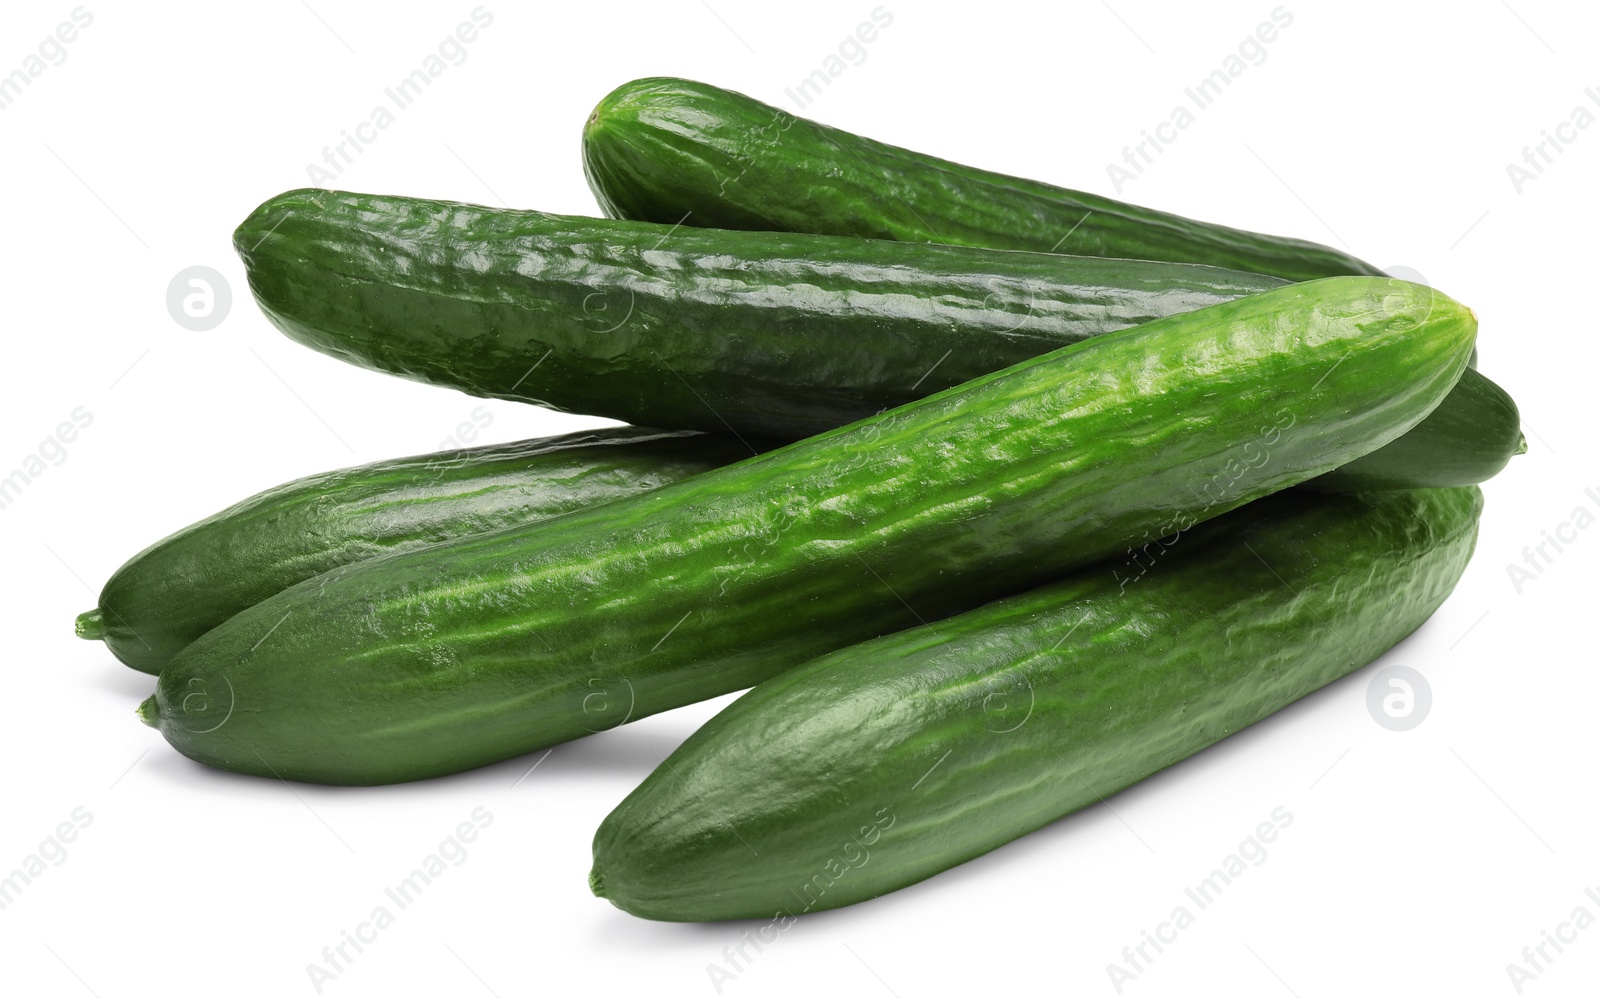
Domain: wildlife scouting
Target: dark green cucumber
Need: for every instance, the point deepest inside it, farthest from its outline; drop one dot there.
(434, 661)
(1467, 440)
(758, 333)
(766, 333)
(680, 152)
(890, 761)
(186, 584)
(675, 151)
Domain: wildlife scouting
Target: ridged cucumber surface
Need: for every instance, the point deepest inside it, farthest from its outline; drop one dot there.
(762, 333)
(765, 334)
(887, 762)
(429, 662)
(186, 584)
(681, 152)
(676, 151)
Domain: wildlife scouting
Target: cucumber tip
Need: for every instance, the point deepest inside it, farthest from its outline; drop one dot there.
(150, 712)
(597, 882)
(90, 625)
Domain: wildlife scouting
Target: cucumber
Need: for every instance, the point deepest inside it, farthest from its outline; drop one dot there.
(1471, 436)
(887, 762)
(756, 333)
(680, 152)
(764, 333)
(429, 662)
(184, 585)
(675, 151)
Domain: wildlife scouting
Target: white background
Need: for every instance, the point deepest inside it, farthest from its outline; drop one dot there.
(1417, 863)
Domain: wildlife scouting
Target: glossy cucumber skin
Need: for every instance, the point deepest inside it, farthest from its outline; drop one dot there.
(887, 762)
(1468, 439)
(671, 150)
(755, 333)
(430, 662)
(772, 334)
(656, 149)
(184, 585)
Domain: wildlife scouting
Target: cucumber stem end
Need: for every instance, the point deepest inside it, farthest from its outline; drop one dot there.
(149, 712)
(597, 882)
(90, 625)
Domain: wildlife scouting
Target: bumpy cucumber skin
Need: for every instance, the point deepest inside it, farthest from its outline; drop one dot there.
(186, 584)
(763, 333)
(430, 662)
(1467, 440)
(755, 333)
(890, 761)
(656, 149)
(670, 150)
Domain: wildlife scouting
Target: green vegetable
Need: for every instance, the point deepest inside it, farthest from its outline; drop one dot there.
(184, 585)
(758, 333)
(1467, 440)
(675, 151)
(766, 333)
(887, 762)
(429, 662)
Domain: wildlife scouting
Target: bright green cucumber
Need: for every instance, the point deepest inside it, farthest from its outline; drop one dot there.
(186, 584)
(675, 151)
(887, 762)
(451, 657)
(758, 333)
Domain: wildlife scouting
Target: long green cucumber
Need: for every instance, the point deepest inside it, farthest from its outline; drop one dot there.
(887, 762)
(430, 662)
(758, 333)
(766, 333)
(186, 584)
(676, 151)
(681, 152)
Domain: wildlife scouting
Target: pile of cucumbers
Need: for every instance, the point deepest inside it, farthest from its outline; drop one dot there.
(1000, 496)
